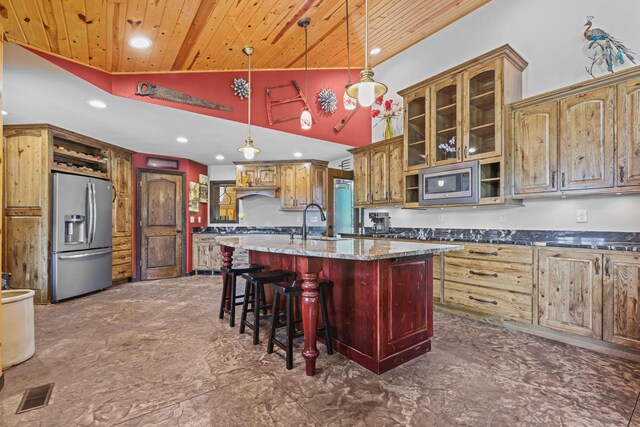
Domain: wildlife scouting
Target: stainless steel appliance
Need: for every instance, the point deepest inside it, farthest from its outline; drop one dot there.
(451, 184)
(380, 222)
(81, 235)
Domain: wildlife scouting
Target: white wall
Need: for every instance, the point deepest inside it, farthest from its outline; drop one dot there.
(549, 35)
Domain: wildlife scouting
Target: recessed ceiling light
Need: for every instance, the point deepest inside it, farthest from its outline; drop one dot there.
(182, 139)
(4, 113)
(139, 42)
(296, 154)
(96, 103)
(219, 157)
(375, 51)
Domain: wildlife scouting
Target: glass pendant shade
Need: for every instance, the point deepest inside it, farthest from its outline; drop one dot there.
(305, 119)
(248, 150)
(366, 94)
(349, 102)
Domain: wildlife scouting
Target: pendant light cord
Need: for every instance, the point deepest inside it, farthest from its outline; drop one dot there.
(249, 98)
(366, 34)
(348, 46)
(306, 71)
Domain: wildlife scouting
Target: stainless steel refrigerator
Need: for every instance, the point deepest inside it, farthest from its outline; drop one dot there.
(81, 235)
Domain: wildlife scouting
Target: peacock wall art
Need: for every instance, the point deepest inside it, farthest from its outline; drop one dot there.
(604, 48)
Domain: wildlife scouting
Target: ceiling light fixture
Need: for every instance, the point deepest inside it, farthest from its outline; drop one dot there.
(248, 150)
(348, 102)
(219, 157)
(4, 113)
(96, 103)
(367, 89)
(139, 42)
(182, 140)
(305, 117)
(375, 51)
(297, 154)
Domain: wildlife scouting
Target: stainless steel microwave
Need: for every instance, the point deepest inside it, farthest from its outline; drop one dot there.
(451, 184)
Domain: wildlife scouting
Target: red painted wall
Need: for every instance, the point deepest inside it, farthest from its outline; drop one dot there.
(216, 87)
(192, 170)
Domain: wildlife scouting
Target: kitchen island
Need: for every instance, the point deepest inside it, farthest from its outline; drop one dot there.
(381, 302)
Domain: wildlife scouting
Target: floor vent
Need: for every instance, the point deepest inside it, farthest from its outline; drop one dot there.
(35, 398)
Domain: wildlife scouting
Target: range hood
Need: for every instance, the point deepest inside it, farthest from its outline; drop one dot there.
(242, 192)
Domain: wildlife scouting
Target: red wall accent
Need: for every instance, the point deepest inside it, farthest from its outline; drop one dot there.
(192, 170)
(216, 87)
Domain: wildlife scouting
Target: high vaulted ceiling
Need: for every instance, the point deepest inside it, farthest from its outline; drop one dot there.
(197, 35)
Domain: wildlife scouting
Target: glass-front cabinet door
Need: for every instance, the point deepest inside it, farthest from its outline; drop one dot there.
(416, 125)
(483, 112)
(445, 121)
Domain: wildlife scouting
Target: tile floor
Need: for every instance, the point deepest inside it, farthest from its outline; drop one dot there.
(155, 353)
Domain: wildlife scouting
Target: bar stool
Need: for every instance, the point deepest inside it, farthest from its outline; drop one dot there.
(289, 290)
(254, 295)
(230, 276)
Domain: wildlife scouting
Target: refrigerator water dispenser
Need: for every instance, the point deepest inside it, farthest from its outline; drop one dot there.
(74, 229)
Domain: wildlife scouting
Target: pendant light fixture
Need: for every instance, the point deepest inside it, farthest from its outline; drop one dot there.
(248, 150)
(348, 102)
(305, 117)
(367, 89)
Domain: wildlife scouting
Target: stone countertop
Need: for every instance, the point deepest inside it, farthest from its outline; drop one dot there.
(342, 248)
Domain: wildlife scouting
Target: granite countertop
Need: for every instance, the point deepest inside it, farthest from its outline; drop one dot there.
(340, 248)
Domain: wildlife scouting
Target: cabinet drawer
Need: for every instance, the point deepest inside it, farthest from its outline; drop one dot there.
(436, 268)
(121, 271)
(121, 257)
(121, 243)
(499, 275)
(503, 253)
(506, 304)
(202, 238)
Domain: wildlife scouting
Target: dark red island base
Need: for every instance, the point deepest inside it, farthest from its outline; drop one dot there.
(380, 310)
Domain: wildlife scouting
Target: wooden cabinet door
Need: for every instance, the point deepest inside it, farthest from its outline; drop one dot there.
(570, 291)
(302, 185)
(318, 184)
(586, 140)
(535, 151)
(201, 255)
(361, 179)
(396, 173)
(380, 174)
(250, 172)
(267, 176)
(446, 122)
(482, 111)
(628, 133)
(288, 186)
(417, 129)
(621, 317)
(121, 177)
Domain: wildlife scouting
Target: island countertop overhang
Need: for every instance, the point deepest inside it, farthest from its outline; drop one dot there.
(342, 248)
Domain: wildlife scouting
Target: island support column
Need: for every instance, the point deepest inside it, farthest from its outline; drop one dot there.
(227, 262)
(312, 266)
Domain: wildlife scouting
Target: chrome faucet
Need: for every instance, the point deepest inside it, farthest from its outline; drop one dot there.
(304, 218)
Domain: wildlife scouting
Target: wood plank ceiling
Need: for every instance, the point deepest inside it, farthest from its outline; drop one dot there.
(208, 35)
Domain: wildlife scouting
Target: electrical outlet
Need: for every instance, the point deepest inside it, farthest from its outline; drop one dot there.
(192, 219)
(199, 219)
(581, 215)
(441, 218)
(502, 218)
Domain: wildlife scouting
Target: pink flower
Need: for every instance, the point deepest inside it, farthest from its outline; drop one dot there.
(387, 104)
(379, 100)
(375, 113)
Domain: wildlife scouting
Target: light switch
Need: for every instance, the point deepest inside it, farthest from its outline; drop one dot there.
(441, 218)
(199, 219)
(581, 215)
(192, 219)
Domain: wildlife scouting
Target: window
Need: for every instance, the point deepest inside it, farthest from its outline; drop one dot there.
(223, 204)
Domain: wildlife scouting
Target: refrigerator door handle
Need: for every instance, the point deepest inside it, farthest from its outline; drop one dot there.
(95, 212)
(84, 255)
(89, 208)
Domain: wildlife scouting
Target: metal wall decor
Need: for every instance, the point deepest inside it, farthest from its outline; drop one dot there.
(328, 101)
(604, 48)
(172, 95)
(240, 88)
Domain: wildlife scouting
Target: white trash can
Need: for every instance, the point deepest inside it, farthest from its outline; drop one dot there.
(18, 338)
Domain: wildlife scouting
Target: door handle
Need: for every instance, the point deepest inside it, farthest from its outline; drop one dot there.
(563, 177)
(607, 267)
(553, 179)
(95, 211)
(84, 255)
(178, 231)
(483, 253)
(466, 152)
(89, 208)
(621, 174)
(459, 151)
(597, 266)
(480, 273)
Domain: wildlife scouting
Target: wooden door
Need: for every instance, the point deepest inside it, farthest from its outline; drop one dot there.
(380, 174)
(570, 291)
(535, 152)
(361, 179)
(628, 133)
(621, 300)
(288, 186)
(396, 173)
(161, 234)
(318, 184)
(302, 185)
(417, 123)
(482, 111)
(267, 176)
(586, 140)
(446, 122)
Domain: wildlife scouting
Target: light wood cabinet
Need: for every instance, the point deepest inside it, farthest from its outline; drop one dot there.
(621, 299)
(206, 255)
(378, 173)
(302, 183)
(446, 121)
(536, 152)
(570, 291)
(257, 175)
(628, 133)
(586, 140)
(122, 211)
(417, 107)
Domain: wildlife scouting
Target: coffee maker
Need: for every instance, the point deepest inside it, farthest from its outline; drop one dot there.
(380, 222)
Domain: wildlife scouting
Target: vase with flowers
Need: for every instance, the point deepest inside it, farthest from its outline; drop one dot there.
(390, 110)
